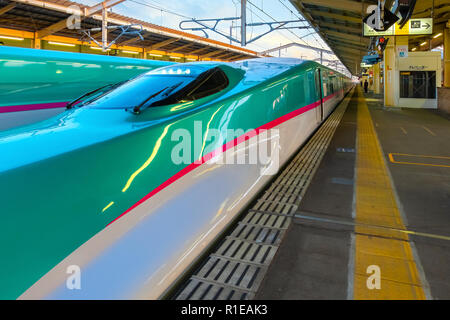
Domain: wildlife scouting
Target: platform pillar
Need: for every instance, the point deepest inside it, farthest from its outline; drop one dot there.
(389, 68)
(447, 56)
(391, 78)
(376, 78)
(143, 54)
(36, 43)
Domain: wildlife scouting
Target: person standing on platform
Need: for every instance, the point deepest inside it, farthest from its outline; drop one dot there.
(366, 86)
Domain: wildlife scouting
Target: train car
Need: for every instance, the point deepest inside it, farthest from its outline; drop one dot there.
(119, 195)
(41, 82)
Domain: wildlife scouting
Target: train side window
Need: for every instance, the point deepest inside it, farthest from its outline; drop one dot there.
(213, 83)
(302, 93)
(319, 89)
(312, 85)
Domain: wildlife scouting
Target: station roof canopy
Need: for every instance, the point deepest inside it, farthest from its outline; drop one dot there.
(46, 18)
(339, 23)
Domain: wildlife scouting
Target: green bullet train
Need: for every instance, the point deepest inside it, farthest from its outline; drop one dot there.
(119, 195)
(36, 84)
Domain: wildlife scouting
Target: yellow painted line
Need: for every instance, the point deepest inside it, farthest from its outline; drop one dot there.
(376, 206)
(404, 131)
(392, 159)
(429, 131)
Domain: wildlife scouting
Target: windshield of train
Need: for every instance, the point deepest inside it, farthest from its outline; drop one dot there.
(154, 86)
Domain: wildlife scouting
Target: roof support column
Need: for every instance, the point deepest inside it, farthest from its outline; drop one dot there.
(36, 43)
(447, 56)
(243, 23)
(376, 79)
(391, 74)
(104, 27)
(143, 54)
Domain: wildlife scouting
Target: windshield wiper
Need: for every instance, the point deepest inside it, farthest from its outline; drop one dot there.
(137, 109)
(74, 102)
(169, 90)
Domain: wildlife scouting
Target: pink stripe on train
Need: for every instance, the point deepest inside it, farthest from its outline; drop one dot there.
(226, 147)
(30, 107)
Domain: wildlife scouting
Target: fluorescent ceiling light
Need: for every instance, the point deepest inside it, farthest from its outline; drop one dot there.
(98, 48)
(130, 52)
(171, 57)
(155, 55)
(61, 44)
(437, 36)
(423, 43)
(11, 38)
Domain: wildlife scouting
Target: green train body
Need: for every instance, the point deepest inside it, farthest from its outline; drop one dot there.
(98, 187)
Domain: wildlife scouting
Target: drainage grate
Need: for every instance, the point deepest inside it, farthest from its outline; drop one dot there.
(235, 270)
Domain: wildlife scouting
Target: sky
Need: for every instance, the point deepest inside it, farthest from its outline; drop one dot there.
(170, 13)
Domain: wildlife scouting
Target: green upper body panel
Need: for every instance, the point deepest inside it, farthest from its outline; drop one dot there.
(31, 76)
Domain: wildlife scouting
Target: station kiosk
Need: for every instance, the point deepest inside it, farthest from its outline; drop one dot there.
(416, 78)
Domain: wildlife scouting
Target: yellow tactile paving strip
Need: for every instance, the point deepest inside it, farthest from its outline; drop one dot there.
(376, 205)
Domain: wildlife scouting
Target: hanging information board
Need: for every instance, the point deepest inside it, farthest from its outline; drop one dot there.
(422, 26)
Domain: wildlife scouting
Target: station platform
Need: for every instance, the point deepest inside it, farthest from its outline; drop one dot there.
(378, 205)
(362, 211)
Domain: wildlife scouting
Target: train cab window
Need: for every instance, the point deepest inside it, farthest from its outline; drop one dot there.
(164, 86)
(213, 82)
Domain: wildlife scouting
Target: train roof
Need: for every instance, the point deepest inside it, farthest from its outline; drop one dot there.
(40, 54)
(260, 69)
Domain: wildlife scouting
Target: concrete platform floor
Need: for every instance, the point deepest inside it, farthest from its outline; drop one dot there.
(320, 258)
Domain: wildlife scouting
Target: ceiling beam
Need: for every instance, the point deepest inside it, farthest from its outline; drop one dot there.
(197, 51)
(134, 39)
(52, 29)
(177, 49)
(349, 50)
(162, 43)
(348, 43)
(7, 8)
(345, 5)
(213, 53)
(60, 25)
(335, 16)
(352, 58)
(347, 36)
(238, 57)
(102, 5)
(226, 54)
(344, 47)
(340, 27)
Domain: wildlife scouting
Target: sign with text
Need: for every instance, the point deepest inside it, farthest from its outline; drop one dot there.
(420, 26)
(402, 51)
